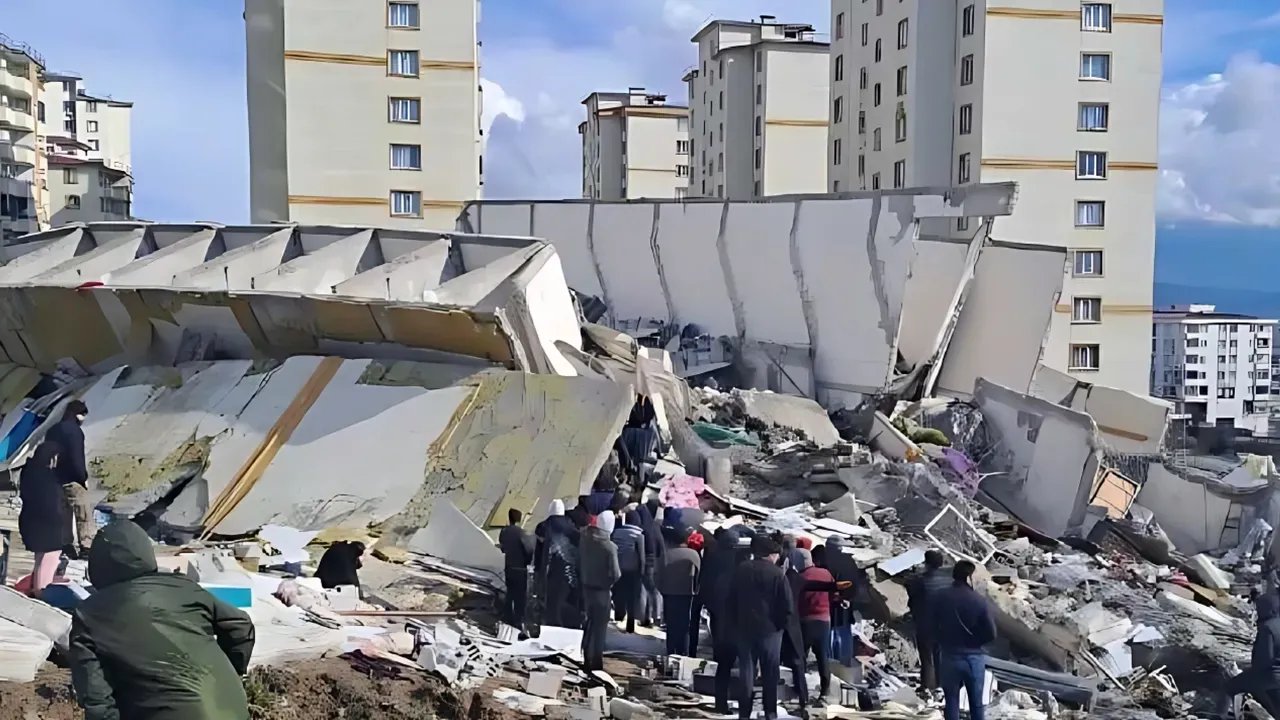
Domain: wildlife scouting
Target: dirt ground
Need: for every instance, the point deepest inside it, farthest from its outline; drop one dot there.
(317, 690)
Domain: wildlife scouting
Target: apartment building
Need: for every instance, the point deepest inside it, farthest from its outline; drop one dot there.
(363, 113)
(1062, 98)
(758, 101)
(22, 165)
(634, 145)
(1215, 366)
(87, 141)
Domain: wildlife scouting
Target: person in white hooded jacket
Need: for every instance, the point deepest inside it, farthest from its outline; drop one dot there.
(598, 570)
(556, 566)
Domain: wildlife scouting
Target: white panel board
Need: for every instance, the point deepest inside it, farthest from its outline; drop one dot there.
(757, 265)
(622, 236)
(568, 224)
(687, 235)
(935, 276)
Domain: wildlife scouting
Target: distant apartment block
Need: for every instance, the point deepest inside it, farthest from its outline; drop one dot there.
(22, 166)
(634, 145)
(758, 101)
(363, 113)
(89, 147)
(1216, 367)
(1062, 98)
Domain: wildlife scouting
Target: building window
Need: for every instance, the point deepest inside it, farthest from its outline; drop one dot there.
(682, 147)
(962, 224)
(837, 110)
(966, 70)
(406, 157)
(900, 124)
(91, 126)
(1090, 213)
(876, 95)
(70, 176)
(1095, 17)
(966, 22)
(903, 33)
(759, 126)
(1086, 310)
(902, 81)
(402, 63)
(840, 26)
(862, 165)
(91, 106)
(835, 186)
(839, 68)
(1086, 357)
(94, 145)
(900, 174)
(721, 99)
(720, 162)
(406, 203)
(875, 181)
(879, 54)
(69, 126)
(1091, 165)
(759, 61)
(403, 15)
(759, 94)
(875, 142)
(962, 171)
(862, 79)
(1086, 263)
(966, 118)
(404, 110)
(866, 33)
(862, 122)
(755, 188)
(73, 202)
(837, 148)
(1095, 66)
(682, 171)
(1094, 117)
(759, 159)
(879, 7)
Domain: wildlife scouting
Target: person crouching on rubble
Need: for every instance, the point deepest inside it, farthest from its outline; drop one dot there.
(963, 625)
(1262, 678)
(154, 646)
(556, 562)
(923, 592)
(598, 570)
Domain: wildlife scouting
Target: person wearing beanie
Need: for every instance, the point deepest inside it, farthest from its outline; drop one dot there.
(598, 571)
(760, 608)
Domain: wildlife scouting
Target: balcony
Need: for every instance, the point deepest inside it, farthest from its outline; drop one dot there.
(15, 186)
(13, 118)
(17, 154)
(18, 86)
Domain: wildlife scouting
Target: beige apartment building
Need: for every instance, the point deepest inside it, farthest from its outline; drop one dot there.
(758, 107)
(22, 166)
(634, 145)
(363, 113)
(87, 141)
(1060, 96)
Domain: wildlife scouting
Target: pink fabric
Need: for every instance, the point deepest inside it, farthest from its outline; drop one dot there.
(46, 566)
(681, 491)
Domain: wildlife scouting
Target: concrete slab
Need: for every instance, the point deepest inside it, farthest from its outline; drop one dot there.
(22, 652)
(35, 615)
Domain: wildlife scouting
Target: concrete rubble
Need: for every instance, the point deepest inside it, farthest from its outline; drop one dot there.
(828, 370)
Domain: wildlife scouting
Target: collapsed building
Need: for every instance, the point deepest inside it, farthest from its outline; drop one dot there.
(406, 375)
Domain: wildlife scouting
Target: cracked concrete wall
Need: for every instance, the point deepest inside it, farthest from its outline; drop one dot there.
(1129, 423)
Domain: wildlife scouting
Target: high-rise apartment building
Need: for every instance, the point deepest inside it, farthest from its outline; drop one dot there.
(634, 145)
(364, 113)
(758, 101)
(1062, 98)
(89, 150)
(1215, 366)
(22, 165)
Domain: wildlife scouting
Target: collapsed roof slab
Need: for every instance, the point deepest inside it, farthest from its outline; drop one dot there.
(823, 274)
(1130, 423)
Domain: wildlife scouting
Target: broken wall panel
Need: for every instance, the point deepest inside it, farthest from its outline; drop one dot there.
(691, 247)
(1002, 327)
(927, 304)
(1191, 514)
(1129, 423)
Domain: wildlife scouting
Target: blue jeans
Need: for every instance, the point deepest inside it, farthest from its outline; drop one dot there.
(967, 671)
(842, 644)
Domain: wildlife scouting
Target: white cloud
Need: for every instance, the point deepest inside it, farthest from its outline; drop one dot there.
(1218, 152)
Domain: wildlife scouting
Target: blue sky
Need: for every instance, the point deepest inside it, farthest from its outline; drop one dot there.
(182, 63)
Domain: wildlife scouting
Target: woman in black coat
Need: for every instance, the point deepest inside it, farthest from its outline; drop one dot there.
(45, 521)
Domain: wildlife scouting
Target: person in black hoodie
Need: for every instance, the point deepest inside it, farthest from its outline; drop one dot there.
(517, 552)
(626, 592)
(556, 563)
(654, 551)
(1262, 678)
(963, 625)
(760, 607)
(718, 563)
(923, 591)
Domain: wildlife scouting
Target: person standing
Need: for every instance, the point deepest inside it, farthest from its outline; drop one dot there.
(793, 655)
(598, 570)
(715, 586)
(923, 592)
(73, 471)
(819, 589)
(844, 612)
(148, 645)
(45, 520)
(963, 625)
(556, 559)
(760, 606)
(626, 593)
(1262, 678)
(678, 583)
(517, 552)
(654, 550)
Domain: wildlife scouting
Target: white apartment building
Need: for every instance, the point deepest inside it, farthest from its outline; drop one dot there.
(21, 162)
(634, 145)
(758, 101)
(363, 113)
(1060, 96)
(1215, 366)
(89, 149)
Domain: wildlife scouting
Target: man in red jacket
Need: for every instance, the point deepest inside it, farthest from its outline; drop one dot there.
(815, 615)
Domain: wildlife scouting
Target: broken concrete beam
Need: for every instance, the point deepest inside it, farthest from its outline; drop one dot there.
(35, 615)
(22, 652)
(454, 538)
(789, 411)
(1067, 688)
(545, 683)
(1208, 572)
(622, 709)
(844, 508)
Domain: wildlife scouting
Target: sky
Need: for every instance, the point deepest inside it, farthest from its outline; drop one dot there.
(182, 63)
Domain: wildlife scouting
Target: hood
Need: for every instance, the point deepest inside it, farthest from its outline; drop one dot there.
(557, 508)
(801, 559)
(834, 542)
(606, 521)
(633, 518)
(1268, 606)
(120, 552)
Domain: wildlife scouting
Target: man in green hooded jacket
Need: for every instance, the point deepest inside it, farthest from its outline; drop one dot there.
(153, 646)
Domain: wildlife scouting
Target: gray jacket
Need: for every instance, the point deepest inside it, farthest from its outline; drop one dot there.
(597, 560)
(678, 574)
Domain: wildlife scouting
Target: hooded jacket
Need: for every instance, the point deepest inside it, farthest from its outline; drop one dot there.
(68, 437)
(630, 541)
(1266, 646)
(598, 563)
(152, 646)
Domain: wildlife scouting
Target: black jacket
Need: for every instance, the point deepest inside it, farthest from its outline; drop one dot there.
(962, 621)
(1266, 646)
(339, 565)
(597, 560)
(923, 592)
(69, 439)
(44, 523)
(653, 544)
(719, 558)
(547, 531)
(759, 600)
(517, 547)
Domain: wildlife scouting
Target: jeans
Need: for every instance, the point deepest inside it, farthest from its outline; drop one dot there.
(650, 598)
(766, 651)
(675, 610)
(695, 625)
(725, 653)
(842, 644)
(968, 671)
(817, 634)
(626, 598)
(793, 656)
(558, 607)
(596, 603)
(514, 602)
